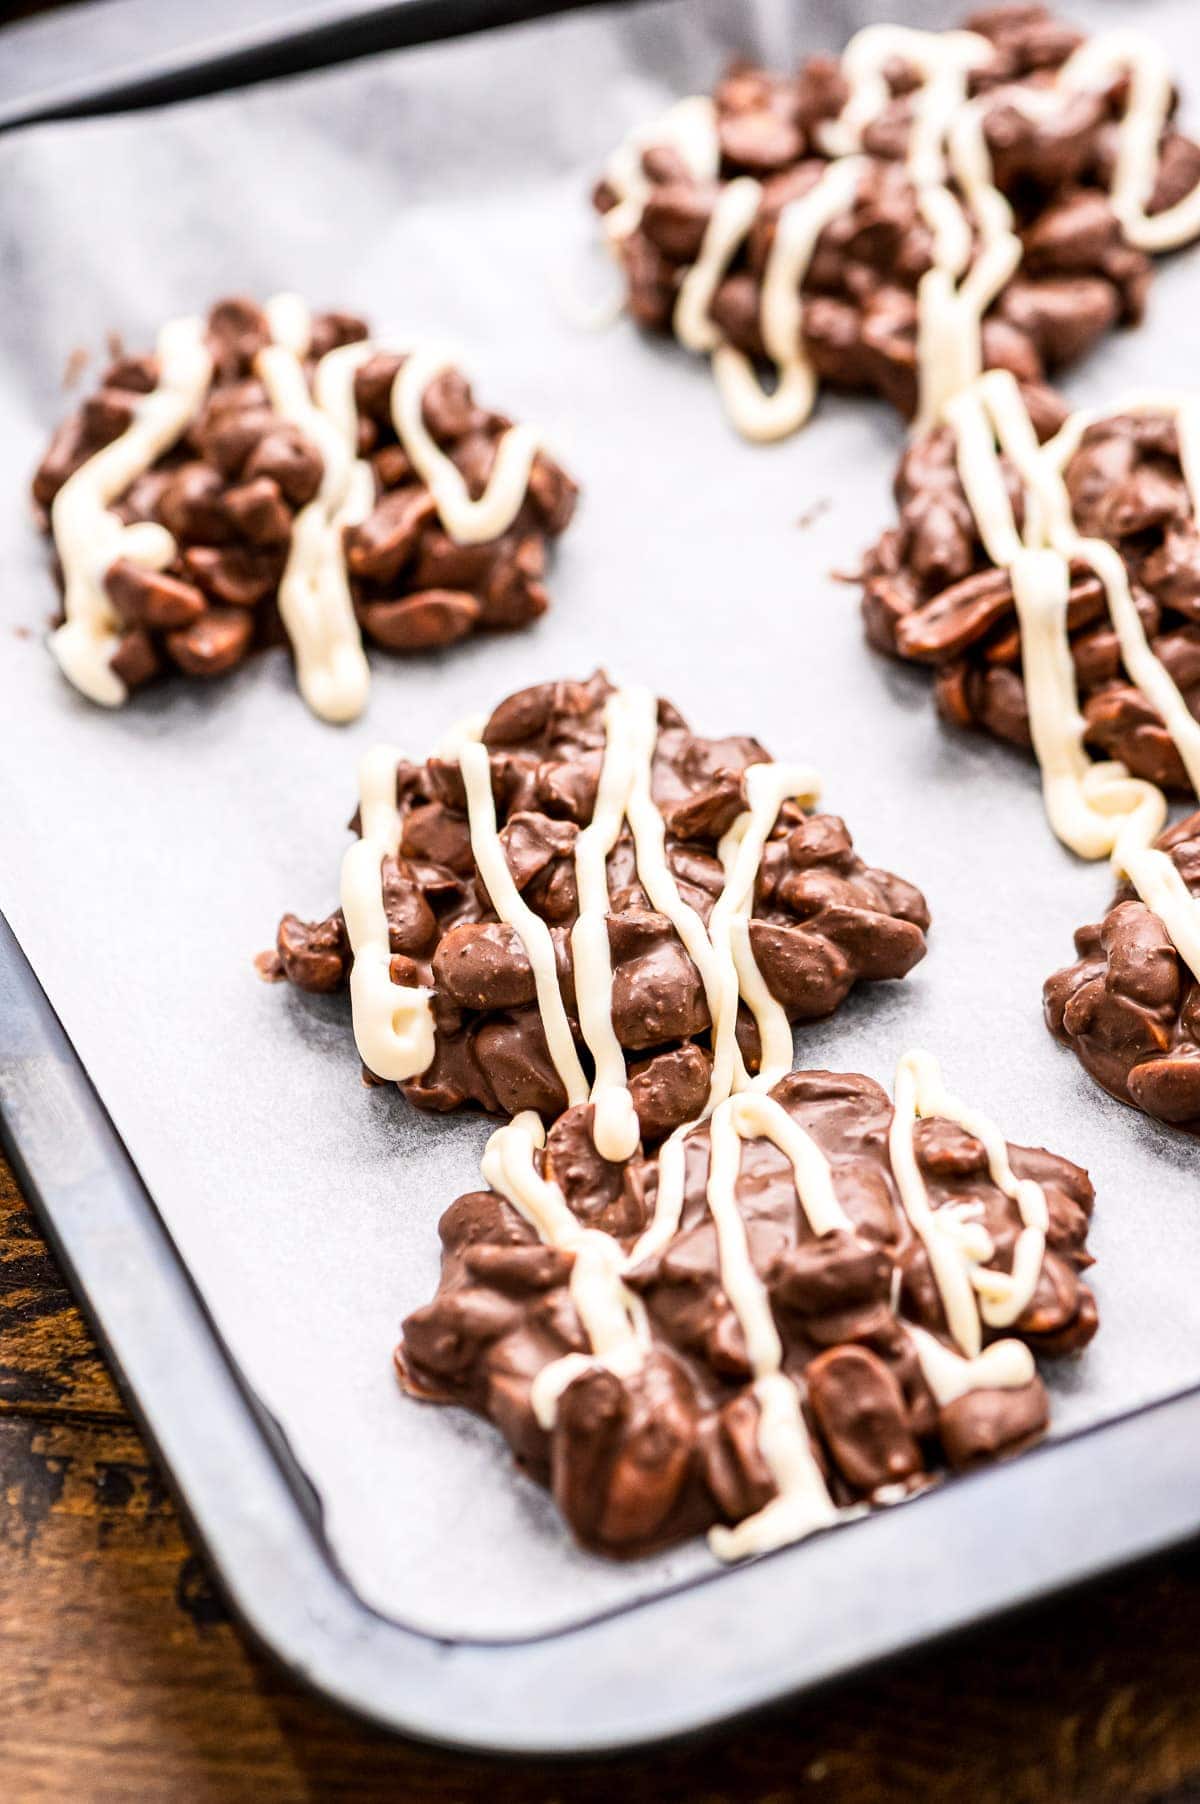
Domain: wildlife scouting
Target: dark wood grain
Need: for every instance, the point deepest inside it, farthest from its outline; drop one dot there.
(121, 1676)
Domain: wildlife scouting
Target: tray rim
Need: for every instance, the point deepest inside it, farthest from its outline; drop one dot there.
(574, 1691)
(337, 32)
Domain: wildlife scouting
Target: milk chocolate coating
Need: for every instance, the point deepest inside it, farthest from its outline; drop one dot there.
(1079, 276)
(822, 919)
(230, 489)
(931, 595)
(638, 1462)
(1129, 1007)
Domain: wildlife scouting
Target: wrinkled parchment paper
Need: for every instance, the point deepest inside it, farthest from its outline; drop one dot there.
(145, 856)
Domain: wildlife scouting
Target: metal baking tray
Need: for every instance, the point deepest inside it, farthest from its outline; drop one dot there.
(981, 1545)
(135, 53)
(697, 1652)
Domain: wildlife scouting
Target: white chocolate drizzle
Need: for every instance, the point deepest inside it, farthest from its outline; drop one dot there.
(314, 590)
(315, 603)
(1101, 61)
(768, 787)
(649, 830)
(802, 1503)
(615, 1128)
(755, 413)
(512, 908)
(1005, 1365)
(754, 1115)
(958, 1246)
(721, 951)
(946, 144)
(1155, 876)
(616, 1322)
(393, 1023)
(613, 1318)
(975, 246)
(90, 538)
(468, 522)
(688, 127)
(1097, 809)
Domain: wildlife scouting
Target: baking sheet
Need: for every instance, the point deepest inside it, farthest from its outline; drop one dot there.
(83, 48)
(146, 855)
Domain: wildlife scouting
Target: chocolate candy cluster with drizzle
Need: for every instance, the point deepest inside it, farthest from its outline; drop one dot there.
(899, 218)
(1129, 1007)
(1053, 579)
(934, 596)
(811, 1302)
(269, 474)
(582, 898)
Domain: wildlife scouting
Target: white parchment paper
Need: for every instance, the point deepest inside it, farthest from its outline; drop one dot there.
(146, 855)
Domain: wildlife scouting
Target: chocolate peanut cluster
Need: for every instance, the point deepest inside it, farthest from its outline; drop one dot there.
(822, 919)
(1079, 276)
(932, 596)
(230, 490)
(1129, 1007)
(639, 1458)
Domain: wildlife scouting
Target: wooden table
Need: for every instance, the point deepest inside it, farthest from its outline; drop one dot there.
(121, 1676)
